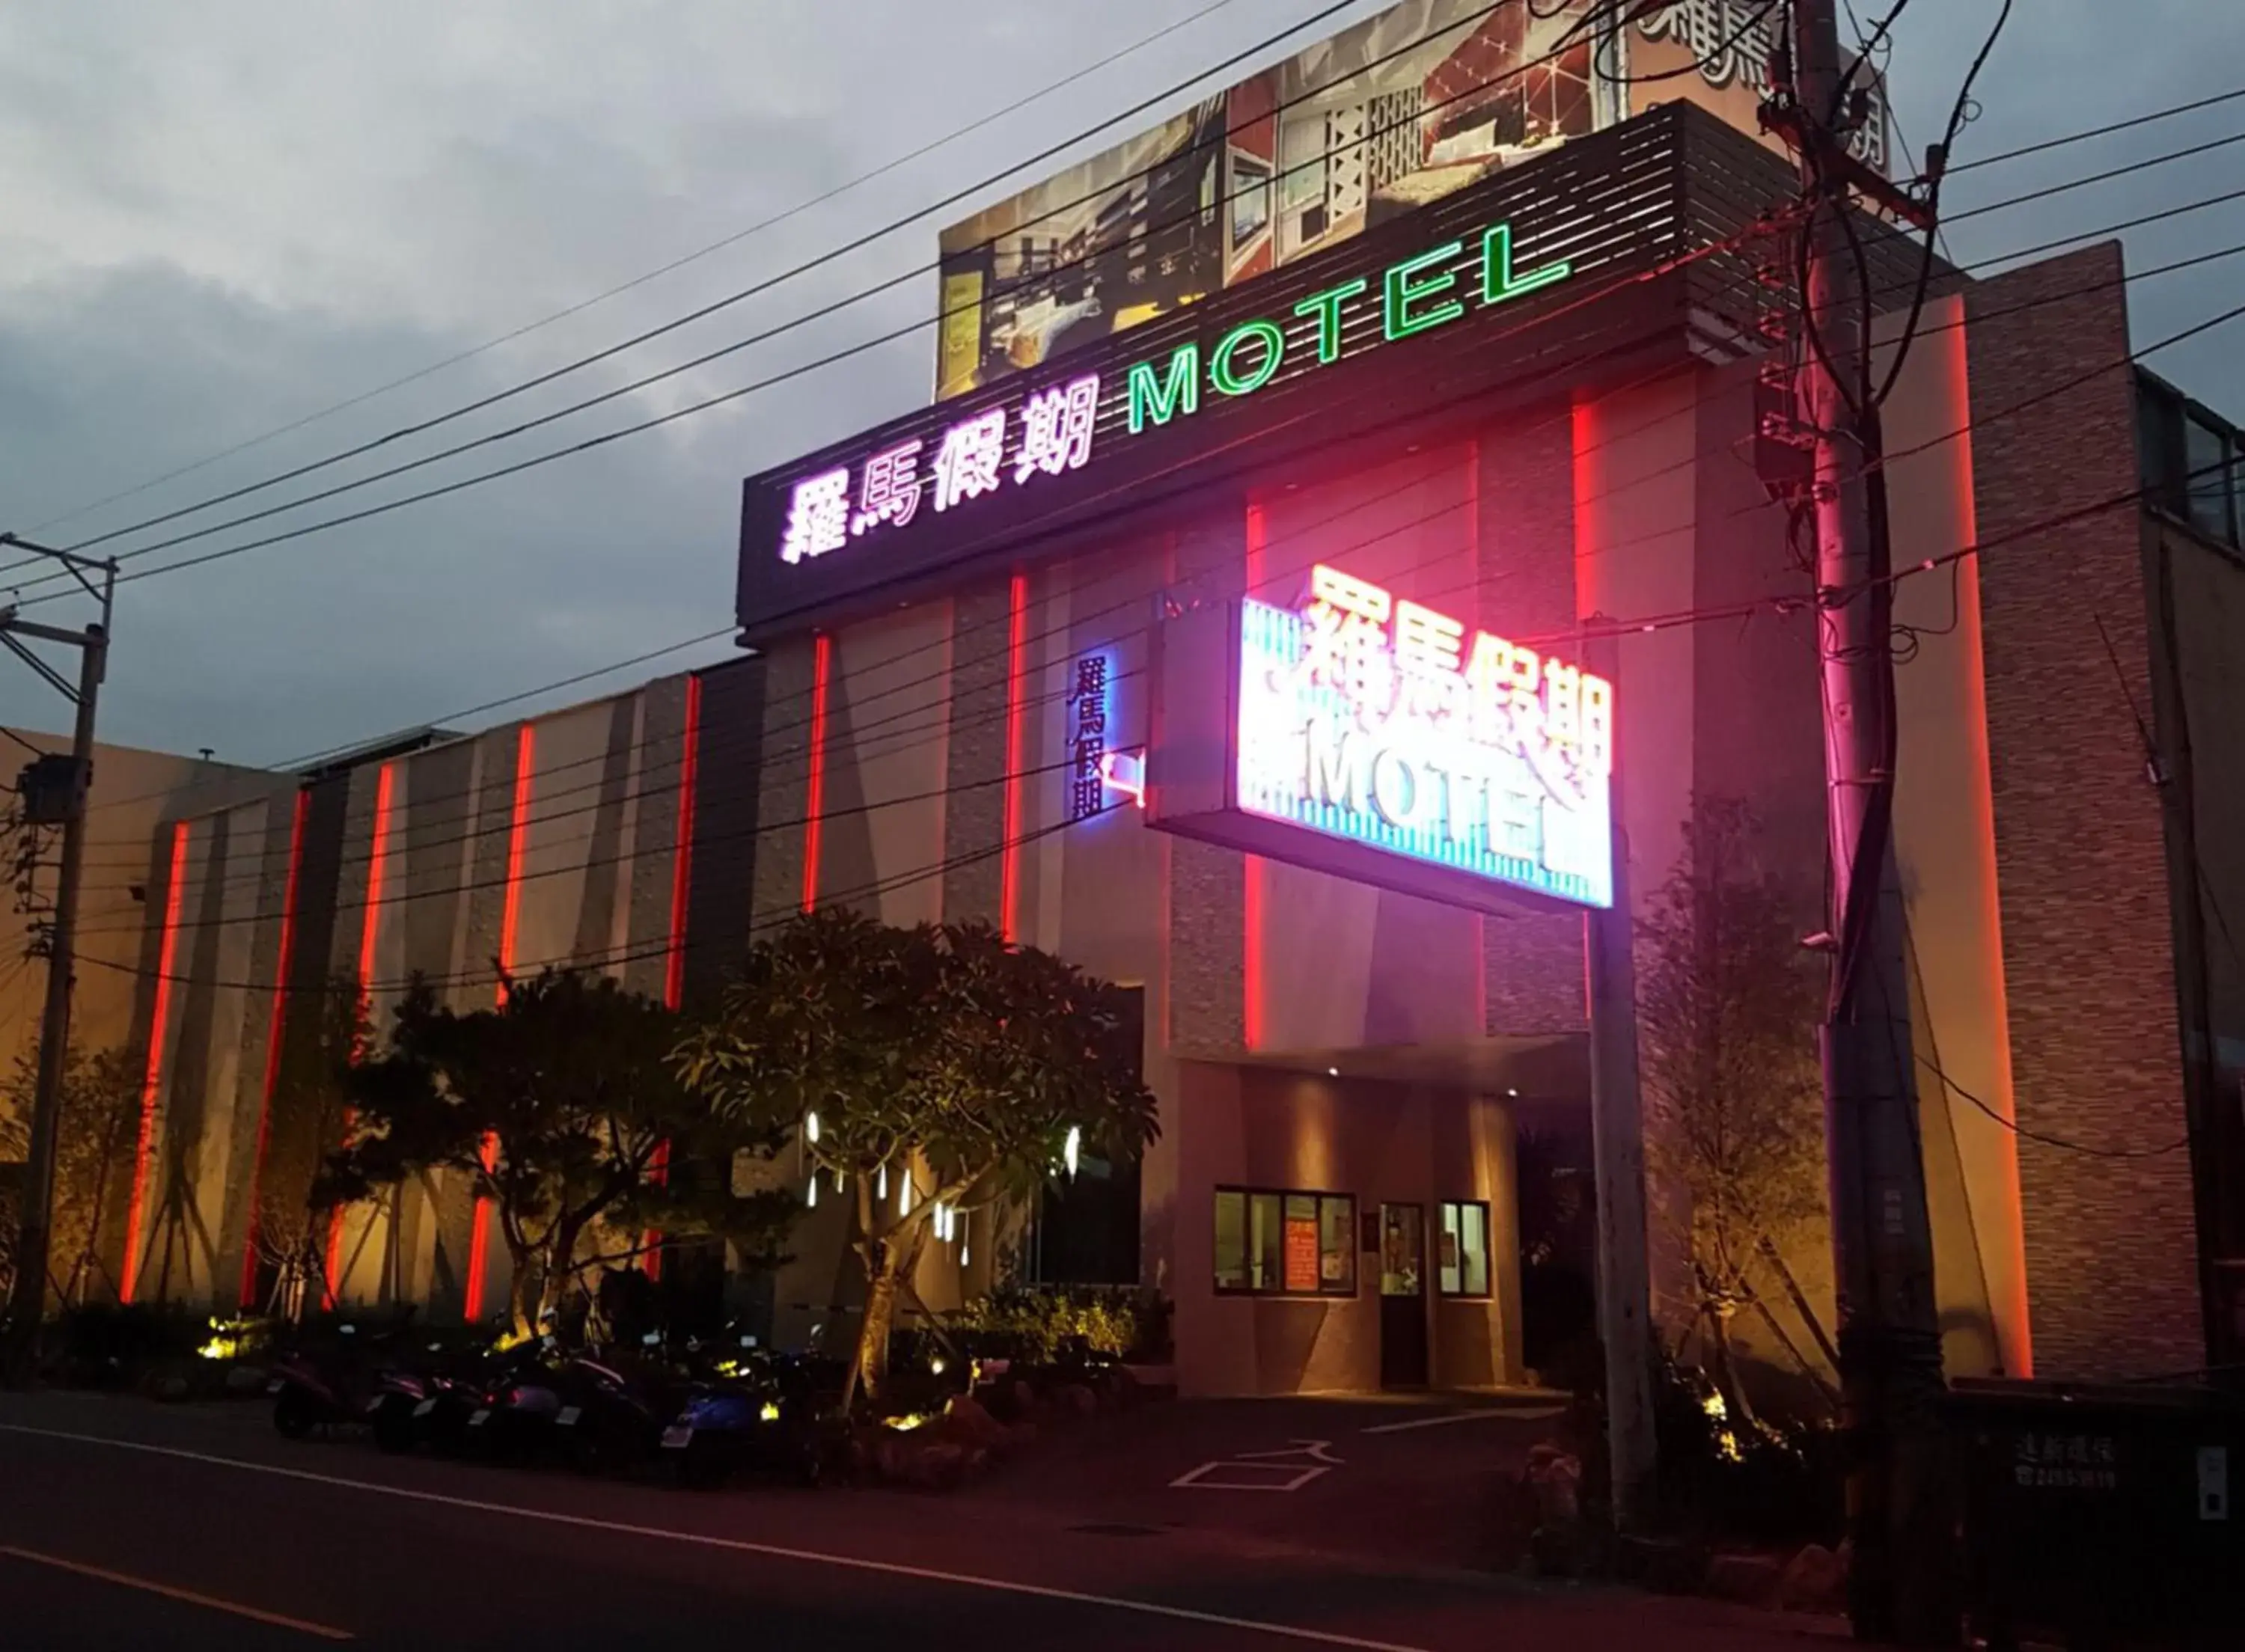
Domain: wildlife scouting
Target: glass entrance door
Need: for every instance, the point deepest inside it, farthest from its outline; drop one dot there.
(1402, 1296)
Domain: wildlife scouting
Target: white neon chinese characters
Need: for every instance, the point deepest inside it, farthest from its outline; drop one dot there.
(892, 486)
(971, 462)
(1370, 717)
(817, 517)
(1057, 426)
(889, 492)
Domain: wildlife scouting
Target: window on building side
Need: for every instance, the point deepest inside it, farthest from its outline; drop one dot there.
(1463, 1270)
(1276, 1242)
(2205, 453)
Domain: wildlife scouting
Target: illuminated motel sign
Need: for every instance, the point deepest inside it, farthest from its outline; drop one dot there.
(909, 480)
(1367, 717)
(1417, 295)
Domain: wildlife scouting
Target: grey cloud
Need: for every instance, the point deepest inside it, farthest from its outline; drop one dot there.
(235, 225)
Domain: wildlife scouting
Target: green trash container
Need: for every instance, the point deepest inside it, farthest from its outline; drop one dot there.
(2102, 1515)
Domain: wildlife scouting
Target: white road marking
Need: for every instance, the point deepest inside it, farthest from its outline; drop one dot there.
(1225, 1476)
(739, 1545)
(149, 1585)
(1533, 1414)
(1237, 1472)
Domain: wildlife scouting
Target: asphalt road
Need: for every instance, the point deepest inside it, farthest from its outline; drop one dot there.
(130, 1526)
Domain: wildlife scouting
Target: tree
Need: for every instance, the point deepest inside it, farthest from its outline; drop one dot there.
(933, 1071)
(324, 1034)
(561, 1108)
(1727, 1008)
(99, 1128)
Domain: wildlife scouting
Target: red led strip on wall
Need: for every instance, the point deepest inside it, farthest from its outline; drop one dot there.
(674, 971)
(152, 1083)
(517, 830)
(682, 856)
(1253, 869)
(377, 867)
(822, 671)
(276, 1023)
(1009, 854)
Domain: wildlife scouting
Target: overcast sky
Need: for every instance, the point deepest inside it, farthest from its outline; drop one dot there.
(219, 216)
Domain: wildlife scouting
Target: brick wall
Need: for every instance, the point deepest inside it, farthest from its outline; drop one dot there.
(2088, 943)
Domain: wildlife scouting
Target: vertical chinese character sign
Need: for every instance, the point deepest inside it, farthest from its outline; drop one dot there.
(1090, 686)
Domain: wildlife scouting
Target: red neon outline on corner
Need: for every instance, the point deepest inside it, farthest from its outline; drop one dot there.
(681, 856)
(1009, 850)
(518, 831)
(674, 968)
(822, 672)
(152, 1081)
(275, 1024)
(378, 865)
(1252, 867)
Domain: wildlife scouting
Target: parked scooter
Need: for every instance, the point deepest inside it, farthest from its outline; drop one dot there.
(756, 1413)
(339, 1388)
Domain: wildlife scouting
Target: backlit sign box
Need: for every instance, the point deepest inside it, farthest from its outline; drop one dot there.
(1365, 735)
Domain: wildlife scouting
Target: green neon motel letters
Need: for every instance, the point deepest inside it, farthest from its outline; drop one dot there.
(1498, 280)
(1415, 296)
(1227, 379)
(1325, 306)
(1159, 398)
(1405, 288)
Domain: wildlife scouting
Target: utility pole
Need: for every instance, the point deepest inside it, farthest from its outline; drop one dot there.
(61, 798)
(1890, 1345)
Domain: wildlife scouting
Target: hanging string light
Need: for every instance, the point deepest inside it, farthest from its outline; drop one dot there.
(811, 1199)
(1073, 1150)
(811, 1127)
(881, 1183)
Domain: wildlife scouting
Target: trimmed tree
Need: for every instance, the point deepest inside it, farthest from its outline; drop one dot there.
(933, 1072)
(562, 1109)
(1727, 1008)
(100, 1118)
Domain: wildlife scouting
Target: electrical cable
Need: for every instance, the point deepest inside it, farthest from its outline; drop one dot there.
(675, 414)
(2167, 113)
(601, 297)
(807, 267)
(603, 670)
(1409, 118)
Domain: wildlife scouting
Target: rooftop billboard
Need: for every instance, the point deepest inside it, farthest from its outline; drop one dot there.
(1400, 111)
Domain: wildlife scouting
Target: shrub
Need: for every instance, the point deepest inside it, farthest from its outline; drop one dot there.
(1774, 1480)
(1038, 1325)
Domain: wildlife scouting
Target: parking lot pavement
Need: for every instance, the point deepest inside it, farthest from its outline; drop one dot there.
(1402, 1482)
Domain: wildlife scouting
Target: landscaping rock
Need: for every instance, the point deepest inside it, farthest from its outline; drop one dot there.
(1815, 1579)
(245, 1380)
(966, 1423)
(169, 1385)
(1074, 1399)
(1557, 1478)
(1748, 1578)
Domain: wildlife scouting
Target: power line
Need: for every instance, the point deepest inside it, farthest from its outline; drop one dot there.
(704, 405)
(2167, 113)
(1408, 120)
(582, 676)
(601, 297)
(814, 263)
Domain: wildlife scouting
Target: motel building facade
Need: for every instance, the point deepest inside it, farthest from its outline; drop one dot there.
(1321, 659)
